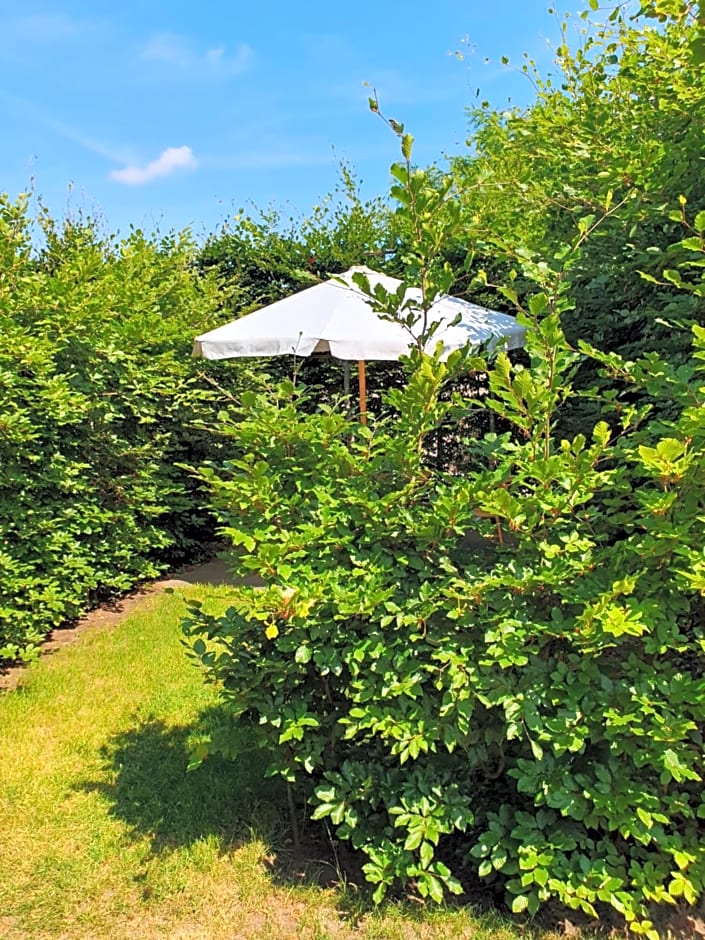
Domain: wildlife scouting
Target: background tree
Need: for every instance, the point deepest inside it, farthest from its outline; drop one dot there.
(616, 131)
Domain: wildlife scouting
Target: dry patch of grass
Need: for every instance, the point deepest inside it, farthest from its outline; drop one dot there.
(106, 835)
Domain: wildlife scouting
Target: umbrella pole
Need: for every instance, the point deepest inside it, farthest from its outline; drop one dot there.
(362, 384)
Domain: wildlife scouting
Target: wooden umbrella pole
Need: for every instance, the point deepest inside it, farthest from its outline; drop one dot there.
(362, 384)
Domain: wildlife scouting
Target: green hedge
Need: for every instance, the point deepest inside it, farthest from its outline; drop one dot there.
(100, 402)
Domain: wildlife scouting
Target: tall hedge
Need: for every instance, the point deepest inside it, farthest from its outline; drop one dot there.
(99, 401)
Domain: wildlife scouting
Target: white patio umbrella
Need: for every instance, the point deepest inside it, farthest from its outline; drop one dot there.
(336, 318)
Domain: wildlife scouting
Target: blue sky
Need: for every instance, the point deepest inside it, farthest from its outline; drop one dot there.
(166, 115)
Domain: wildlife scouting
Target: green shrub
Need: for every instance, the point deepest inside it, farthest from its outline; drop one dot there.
(499, 673)
(611, 139)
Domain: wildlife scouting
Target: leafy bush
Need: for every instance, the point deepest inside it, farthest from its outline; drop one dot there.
(501, 672)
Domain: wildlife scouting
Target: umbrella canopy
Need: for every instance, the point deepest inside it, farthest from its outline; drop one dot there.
(337, 318)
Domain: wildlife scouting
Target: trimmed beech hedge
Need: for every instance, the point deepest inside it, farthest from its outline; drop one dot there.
(100, 403)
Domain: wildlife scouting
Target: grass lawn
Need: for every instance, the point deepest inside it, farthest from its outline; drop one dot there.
(105, 834)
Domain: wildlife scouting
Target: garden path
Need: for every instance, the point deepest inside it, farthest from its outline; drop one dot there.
(107, 615)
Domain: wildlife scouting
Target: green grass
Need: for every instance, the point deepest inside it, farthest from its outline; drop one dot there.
(106, 835)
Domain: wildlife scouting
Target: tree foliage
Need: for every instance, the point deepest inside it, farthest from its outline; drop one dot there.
(616, 132)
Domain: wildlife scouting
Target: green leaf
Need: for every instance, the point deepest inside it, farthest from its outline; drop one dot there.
(426, 854)
(435, 888)
(519, 904)
(322, 810)
(538, 304)
(379, 893)
(697, 48)
(644, 816)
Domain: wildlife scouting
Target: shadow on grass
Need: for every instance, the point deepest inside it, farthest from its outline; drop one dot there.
(149, 787)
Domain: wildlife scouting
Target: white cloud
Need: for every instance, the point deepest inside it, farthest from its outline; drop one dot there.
(173, 158)
(180, 52)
